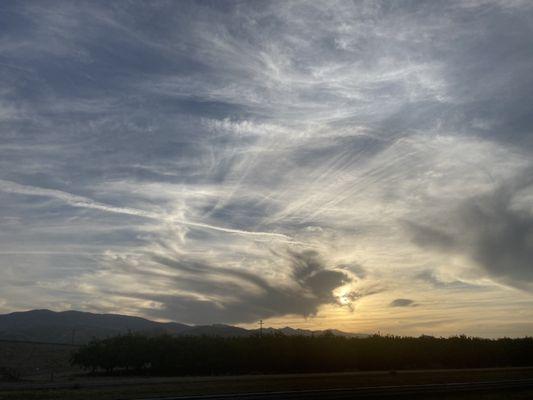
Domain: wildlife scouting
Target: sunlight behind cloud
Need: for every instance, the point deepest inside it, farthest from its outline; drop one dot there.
(306, 163)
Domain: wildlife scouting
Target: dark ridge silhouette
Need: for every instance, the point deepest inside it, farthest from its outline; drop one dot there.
(279, 353)
(77, 326)
(80, 327)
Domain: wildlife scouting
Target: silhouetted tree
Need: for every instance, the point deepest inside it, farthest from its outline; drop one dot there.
(278, 353)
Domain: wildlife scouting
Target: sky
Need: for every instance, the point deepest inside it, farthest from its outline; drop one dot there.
(365, 166)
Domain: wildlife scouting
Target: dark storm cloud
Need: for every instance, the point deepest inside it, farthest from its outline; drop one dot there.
(236, 295)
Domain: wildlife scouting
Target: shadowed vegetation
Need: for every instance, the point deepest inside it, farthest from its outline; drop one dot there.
(169, 355)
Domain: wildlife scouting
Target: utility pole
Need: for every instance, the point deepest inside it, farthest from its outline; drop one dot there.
(261, 327)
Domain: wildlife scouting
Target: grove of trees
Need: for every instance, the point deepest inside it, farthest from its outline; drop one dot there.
(205, 355)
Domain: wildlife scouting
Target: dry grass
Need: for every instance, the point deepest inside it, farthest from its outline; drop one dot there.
(36, 362)
(134, 388)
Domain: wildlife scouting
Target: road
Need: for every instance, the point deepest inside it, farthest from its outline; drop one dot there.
(368, 392)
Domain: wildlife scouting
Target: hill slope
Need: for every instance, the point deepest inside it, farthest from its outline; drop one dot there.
(76, 326)
(80, 327)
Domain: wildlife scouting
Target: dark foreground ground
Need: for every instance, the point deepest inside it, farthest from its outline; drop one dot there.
(44, 372)
(294, 386)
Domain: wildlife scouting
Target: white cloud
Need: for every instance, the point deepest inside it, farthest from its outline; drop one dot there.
(230, 136)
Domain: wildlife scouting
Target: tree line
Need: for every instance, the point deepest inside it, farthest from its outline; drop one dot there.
(278, 353)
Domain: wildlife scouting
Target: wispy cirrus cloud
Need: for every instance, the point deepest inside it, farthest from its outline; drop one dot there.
(229, 135)
(84, 202)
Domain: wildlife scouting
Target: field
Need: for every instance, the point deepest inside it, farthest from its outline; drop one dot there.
(152, 387)
(45, 373)
(34, 361)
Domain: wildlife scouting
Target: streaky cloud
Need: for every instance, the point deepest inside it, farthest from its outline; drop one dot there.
(84, 202)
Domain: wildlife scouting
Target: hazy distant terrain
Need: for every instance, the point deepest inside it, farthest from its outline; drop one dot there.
(34, 361)
(35, 370)
(79, 327)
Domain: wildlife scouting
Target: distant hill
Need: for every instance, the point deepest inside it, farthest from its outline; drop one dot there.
(77, 326)
(307, 332)
(217, 330)
(80, 327)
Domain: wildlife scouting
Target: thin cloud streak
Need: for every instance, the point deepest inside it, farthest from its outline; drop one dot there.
(84, 202)
(228, 136)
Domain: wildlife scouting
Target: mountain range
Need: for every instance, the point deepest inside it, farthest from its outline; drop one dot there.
(77, 327)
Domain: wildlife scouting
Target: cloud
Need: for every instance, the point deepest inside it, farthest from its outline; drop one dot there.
(402, 303)
(212, 293)
(494, 230)
(435, 280)
(80, 201)
(191, 152)
(357, 269)
(428, 236)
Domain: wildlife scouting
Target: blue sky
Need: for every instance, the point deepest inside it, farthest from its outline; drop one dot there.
(357, 165)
